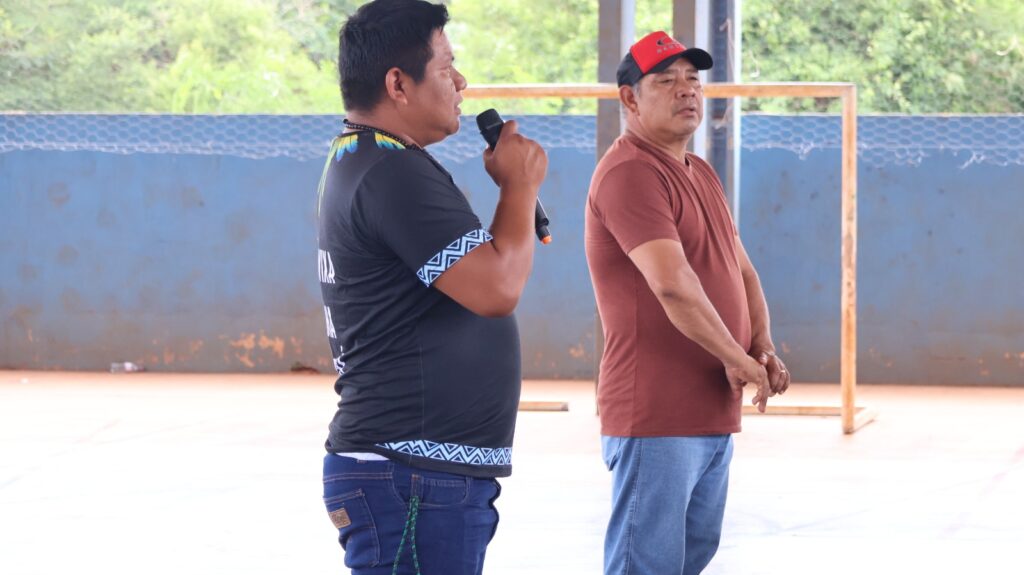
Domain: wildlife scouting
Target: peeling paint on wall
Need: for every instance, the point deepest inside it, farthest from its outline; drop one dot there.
(198, 281)
(276, 344)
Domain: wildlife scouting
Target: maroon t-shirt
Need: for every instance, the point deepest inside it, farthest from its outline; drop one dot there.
(654, 380)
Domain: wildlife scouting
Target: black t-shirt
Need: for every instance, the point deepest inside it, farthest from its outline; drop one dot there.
(422, 380)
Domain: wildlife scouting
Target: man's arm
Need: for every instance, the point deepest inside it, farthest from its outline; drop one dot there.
(490, 279)
(761, 346)
(664, 265)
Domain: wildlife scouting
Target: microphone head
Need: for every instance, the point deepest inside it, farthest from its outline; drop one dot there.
(488, 119)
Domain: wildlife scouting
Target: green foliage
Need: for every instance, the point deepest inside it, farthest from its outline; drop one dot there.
(187, 56)
(232, 56)
(906, 56)
(525, 41)
(278, 56)
(536, 41)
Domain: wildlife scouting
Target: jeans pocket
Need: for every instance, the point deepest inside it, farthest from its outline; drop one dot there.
(357, 532)
(434, 492)
(611, 448)
(494, 508)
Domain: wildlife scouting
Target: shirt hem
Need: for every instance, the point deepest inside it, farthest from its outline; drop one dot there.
(673, 432)
(428, 464)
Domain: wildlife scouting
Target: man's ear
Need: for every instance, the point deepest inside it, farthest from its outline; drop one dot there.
(395, 83)
(628, 98)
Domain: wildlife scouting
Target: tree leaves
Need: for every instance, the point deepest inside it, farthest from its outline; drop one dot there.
(906, 56)
(278, 56)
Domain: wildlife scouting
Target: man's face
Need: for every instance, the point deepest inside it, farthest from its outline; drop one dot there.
(670, 103)
(435, 100)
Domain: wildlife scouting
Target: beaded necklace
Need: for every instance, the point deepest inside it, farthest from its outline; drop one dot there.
(363, 127)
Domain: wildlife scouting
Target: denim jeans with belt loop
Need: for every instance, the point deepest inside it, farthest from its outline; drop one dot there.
(369, 502)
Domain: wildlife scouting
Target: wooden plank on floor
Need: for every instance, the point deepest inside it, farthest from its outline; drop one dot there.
(829, 410)
(543, 406)
(862, 415)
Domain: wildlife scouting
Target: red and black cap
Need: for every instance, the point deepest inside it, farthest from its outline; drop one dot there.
(655, 52)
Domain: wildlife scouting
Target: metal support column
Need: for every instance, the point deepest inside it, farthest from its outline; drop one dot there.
(615, 35)
(690, 26)
(723, 115)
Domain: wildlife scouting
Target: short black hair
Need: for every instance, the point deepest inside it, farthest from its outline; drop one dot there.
(381, 35)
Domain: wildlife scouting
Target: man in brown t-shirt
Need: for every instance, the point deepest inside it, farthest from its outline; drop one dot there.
(685, 321)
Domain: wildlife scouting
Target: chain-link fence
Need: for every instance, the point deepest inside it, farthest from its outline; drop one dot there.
(894, 140)
(243, 136)
(882, 140)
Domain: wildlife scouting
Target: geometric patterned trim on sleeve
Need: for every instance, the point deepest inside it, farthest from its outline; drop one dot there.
(447, 257)
(452, 452)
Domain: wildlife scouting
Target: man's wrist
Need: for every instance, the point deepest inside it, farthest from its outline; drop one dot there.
(736, 358)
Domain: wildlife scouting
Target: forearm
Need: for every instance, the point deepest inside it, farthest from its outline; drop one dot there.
(692, 313)
(513, 230)
(760, 322)
(490, 279)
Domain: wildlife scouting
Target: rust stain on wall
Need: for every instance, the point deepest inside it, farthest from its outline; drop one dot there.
(296, 345)
(27, 272)
(1014, 356)
(238, 228)
(191, 198)
(67, 255)
(248, 343)
(245, 345)
(182, 351)
(276, 344)
(72, 301)
(58, 194)
(23, 317)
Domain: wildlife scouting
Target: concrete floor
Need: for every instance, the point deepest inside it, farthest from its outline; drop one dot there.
(211, 474)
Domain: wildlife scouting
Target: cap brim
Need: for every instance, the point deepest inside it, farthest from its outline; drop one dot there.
(700, 59)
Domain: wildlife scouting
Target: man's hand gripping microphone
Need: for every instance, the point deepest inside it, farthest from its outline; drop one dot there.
(490, 124)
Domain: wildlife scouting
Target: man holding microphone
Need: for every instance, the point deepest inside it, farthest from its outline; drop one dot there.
(418, 300)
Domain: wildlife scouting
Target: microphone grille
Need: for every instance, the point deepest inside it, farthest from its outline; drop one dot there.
(488, 119)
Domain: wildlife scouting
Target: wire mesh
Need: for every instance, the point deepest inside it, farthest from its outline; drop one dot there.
(882, 140)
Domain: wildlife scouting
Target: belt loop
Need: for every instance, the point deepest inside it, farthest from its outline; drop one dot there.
(416, 486)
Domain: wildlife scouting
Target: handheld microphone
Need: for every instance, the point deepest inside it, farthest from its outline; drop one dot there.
(490, 124)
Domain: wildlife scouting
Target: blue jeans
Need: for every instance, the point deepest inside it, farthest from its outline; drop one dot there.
(668, 499)
(445, 532)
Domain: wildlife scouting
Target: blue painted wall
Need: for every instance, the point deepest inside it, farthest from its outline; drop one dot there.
(940, 264)
(187, 243)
